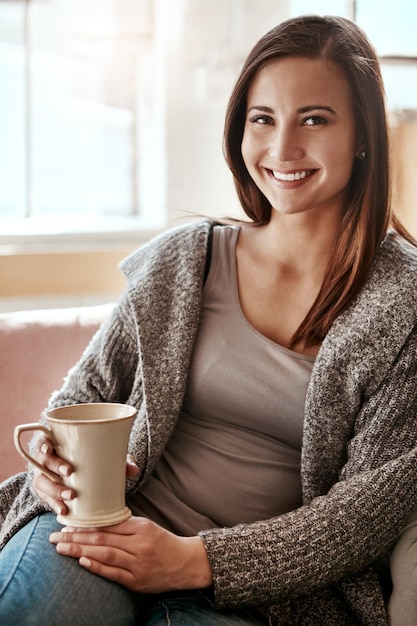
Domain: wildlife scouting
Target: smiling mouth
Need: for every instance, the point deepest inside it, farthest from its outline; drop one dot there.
(291, 176)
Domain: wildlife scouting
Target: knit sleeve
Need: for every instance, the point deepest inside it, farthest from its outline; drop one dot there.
(107, 368)
(342, 531)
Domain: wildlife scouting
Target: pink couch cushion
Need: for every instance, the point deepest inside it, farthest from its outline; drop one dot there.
(37, 348)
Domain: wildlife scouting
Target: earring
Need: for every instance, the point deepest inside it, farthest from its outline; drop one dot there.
(362, 155)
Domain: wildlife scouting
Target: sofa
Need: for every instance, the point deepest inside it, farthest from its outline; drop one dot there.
(37, 348)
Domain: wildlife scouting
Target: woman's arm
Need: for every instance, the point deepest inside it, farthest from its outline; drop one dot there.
(105, 373)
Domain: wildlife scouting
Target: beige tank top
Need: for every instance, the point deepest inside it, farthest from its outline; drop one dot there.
(235, 453)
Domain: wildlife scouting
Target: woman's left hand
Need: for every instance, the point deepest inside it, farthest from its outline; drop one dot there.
(138, 554)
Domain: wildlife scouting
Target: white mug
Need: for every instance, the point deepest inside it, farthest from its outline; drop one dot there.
(94, 439)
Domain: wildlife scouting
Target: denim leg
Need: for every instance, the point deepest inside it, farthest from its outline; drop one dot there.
(194, 609)
(39, 587)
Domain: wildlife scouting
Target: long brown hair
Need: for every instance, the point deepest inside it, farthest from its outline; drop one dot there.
(368, 212)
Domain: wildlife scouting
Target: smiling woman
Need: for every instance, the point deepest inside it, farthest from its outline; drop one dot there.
(275, 439)
(308, 140)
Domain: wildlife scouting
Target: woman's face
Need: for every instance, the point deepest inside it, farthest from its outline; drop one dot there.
(299, 140)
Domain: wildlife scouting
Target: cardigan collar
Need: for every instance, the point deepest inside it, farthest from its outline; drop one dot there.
(165, 281)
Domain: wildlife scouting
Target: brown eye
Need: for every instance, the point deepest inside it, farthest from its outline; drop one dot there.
(260, 119)
(314, 120)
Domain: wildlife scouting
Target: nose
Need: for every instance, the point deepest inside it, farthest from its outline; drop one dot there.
(284, 145)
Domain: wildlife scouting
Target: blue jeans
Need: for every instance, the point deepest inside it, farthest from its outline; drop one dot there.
(39, 587)
(191, 608)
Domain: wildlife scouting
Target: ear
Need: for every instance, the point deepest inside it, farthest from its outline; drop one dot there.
(360, 150)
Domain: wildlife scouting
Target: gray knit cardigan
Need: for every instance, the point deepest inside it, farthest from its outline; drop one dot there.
(315, 565)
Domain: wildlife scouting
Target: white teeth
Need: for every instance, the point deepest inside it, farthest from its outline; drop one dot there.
(292, 176)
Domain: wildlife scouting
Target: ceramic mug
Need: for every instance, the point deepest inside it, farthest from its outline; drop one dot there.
(94, 439)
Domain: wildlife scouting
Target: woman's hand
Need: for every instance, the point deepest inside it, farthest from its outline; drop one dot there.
(50, 492)
(138, 554)
(53, 493)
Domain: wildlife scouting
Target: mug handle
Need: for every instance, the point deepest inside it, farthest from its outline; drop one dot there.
(31, 427)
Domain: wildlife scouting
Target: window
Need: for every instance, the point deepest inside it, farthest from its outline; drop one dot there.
(391, 27)
(80, 106)
(392, 31)
(112, 111)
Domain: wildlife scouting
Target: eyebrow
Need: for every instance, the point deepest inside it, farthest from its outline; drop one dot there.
(306, 109)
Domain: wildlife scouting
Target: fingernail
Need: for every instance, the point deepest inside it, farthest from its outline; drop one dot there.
(66, 494)
(64, 470)
(63, 548)
(44, 448)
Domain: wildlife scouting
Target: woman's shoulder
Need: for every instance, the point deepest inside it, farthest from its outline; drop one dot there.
(393, 276)
(368, 336)
(384, 312)
(397, 255)
(393, 279)
(178, 244)
(391, 287)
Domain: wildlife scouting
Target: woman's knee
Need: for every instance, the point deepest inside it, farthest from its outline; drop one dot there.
(39, 586)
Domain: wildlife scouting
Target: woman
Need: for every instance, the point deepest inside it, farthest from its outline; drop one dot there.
(273, 366)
